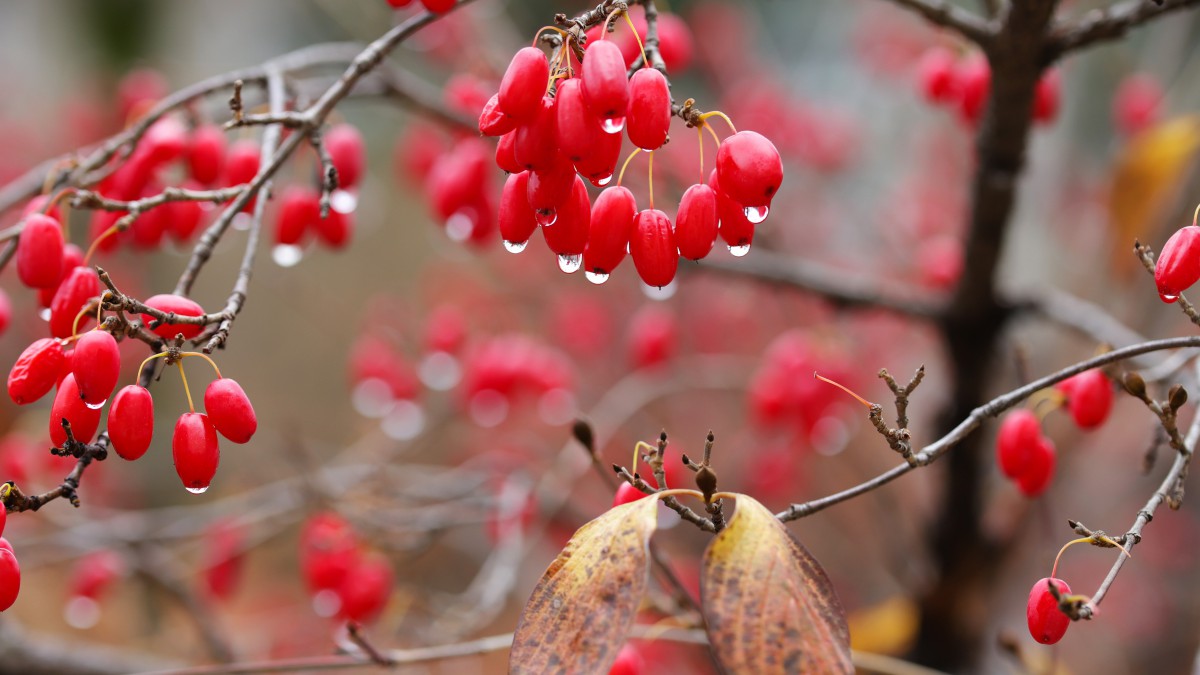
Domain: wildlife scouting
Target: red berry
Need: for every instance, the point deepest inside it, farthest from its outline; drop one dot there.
(1136, 103)
(598, 165)
(182, 217)
(397, 4)
(10, 577)
(80, 286)
(97, 366)
(3, 517)
(230, 411)
(577, 129)
(1178, 266)
(524, 84)
(138, 90)
(336, 229)
(40, 252)
(1046, 96)
(242, 162)
(445, 330)
(36, 371)
(653, 335)
(328, 550)
(346, 149)
(223, 542)
(674, 42)
(194, 449)
(749, 171)
(438, 6)
(365, 590)
(69, 406)
(535, 145)
(605, 87)
(937, 75)
(299, 211)
(547, 190)
(38, 203)
(1039, 470)
(164, 142)
(181, 306)
(611, 228)
(1019, 433)
(207, 154)
(94, 573)
(517, 219)
(72, 258)
(493, 121)
(629, 662)
(1089, 398)
(649, 117)
(131, 421)
(652, 247)
(506, 157)
(1047, 624)
(568, 236)
(696, 223)
(975, 84)
(626, 494)
(735, 229)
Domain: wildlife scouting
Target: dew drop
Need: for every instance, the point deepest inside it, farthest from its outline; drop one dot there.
(326, 603)
(661, 292)
(612, 125)
(343, 201)
(459, 226)
(596, 277)
(405, 421)
(95, 406)
(44, 314)
(515, 246)
(439, 371)
(1168, 298)
(546, 217)
(197, 490)
(601, 181)
(488, 408)
(372, 398)
(287, 255)
(739, 251)
(82, 612)
(242, 221)
(756, 214)
(570, 263)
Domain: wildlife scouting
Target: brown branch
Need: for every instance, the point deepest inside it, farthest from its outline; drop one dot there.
(1110, 23)
(156, 567)
(942, 13)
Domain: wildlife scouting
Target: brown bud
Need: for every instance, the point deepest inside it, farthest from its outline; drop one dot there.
(582, 431)
(706, 480)
(1135, 385)
(1177, 397)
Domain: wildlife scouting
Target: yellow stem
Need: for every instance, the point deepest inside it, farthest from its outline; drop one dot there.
(1196, 215)
(206, 358)
(186, 389)
(638, 446)
(608, 21)
(138, 375)
(627, 161)
(562, 33)
(713, 133)
(843, 388)
(650, 164)
(92, 249)
(700, 137)
(718, 113)
(87, 309)
(641, 47)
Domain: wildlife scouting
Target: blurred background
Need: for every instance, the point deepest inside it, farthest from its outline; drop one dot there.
(422, 388)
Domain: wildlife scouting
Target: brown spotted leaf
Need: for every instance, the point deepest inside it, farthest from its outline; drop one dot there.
(769, 606)
(581, 611)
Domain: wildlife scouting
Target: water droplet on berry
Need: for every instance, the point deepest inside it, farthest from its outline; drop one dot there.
(601, 181)
(570, 263)
(95, 406)
(546, 217)
(488, 408)
(612, 125)
(439, 371)
(404, 422)
(372, 398)
(82, 612)
(197, 490)
(1168, 298)
(459, 226)
(660, 292)
(44, 314)
(515, 246)
(756, 214)
(343, 201)
(739, 251)
(326, 603)
(596, 277)
(242, 221)
(287, 255)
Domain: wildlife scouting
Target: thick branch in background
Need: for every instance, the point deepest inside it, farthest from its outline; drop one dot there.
(947, 15)
(1109, 23)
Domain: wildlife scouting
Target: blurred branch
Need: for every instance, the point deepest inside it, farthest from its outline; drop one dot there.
(21, 652)
(156, 567)
(1110, 23)
(945, 14)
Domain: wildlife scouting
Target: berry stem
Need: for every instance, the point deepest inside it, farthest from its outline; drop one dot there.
(187, 390)
(843, 388)
(538, 34)
(82, 313)
(627, 161)
(700, 137)
(87, 257)
(206, 357)
(1196, 215)
(608, 22)
(641, 47)
(138, 374)
(650, 164)
(636, 447)
(713, 133)
(718, 113)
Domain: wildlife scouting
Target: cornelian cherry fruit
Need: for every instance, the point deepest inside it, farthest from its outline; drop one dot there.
(697, 221)
(181, 306)
(517, 219)
(524, 84)
(195, 451)
(653, 249)
(97, 366)
(605, 87)
(1089, 398)
(230, 411)
(1047, 624)
(10, 578)
(649, 117)
(1178, 266)
(40, 251)
(69, 406)
(750, 171)
(612, 219)
(36, 371)
(1015, 442)
(348, 152)
(365, 590)
(131, 421)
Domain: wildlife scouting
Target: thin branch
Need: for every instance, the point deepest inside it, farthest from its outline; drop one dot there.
(1110, 23)
(992, 408)
(947, 15)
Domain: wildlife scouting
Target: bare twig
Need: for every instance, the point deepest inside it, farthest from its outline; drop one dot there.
(944, 14)
(1110, 23)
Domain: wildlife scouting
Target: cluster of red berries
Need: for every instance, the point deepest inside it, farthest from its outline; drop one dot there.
(1178, 265)
(86, 377)
(964, 85)
(10, 570)
(1137, 103)
(345, 581)
(91, 576)
(552, 136)
(502, 370)
(1025, 455)
(435, 6)
(783, 392)
(1047, 623)
(299, 218)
